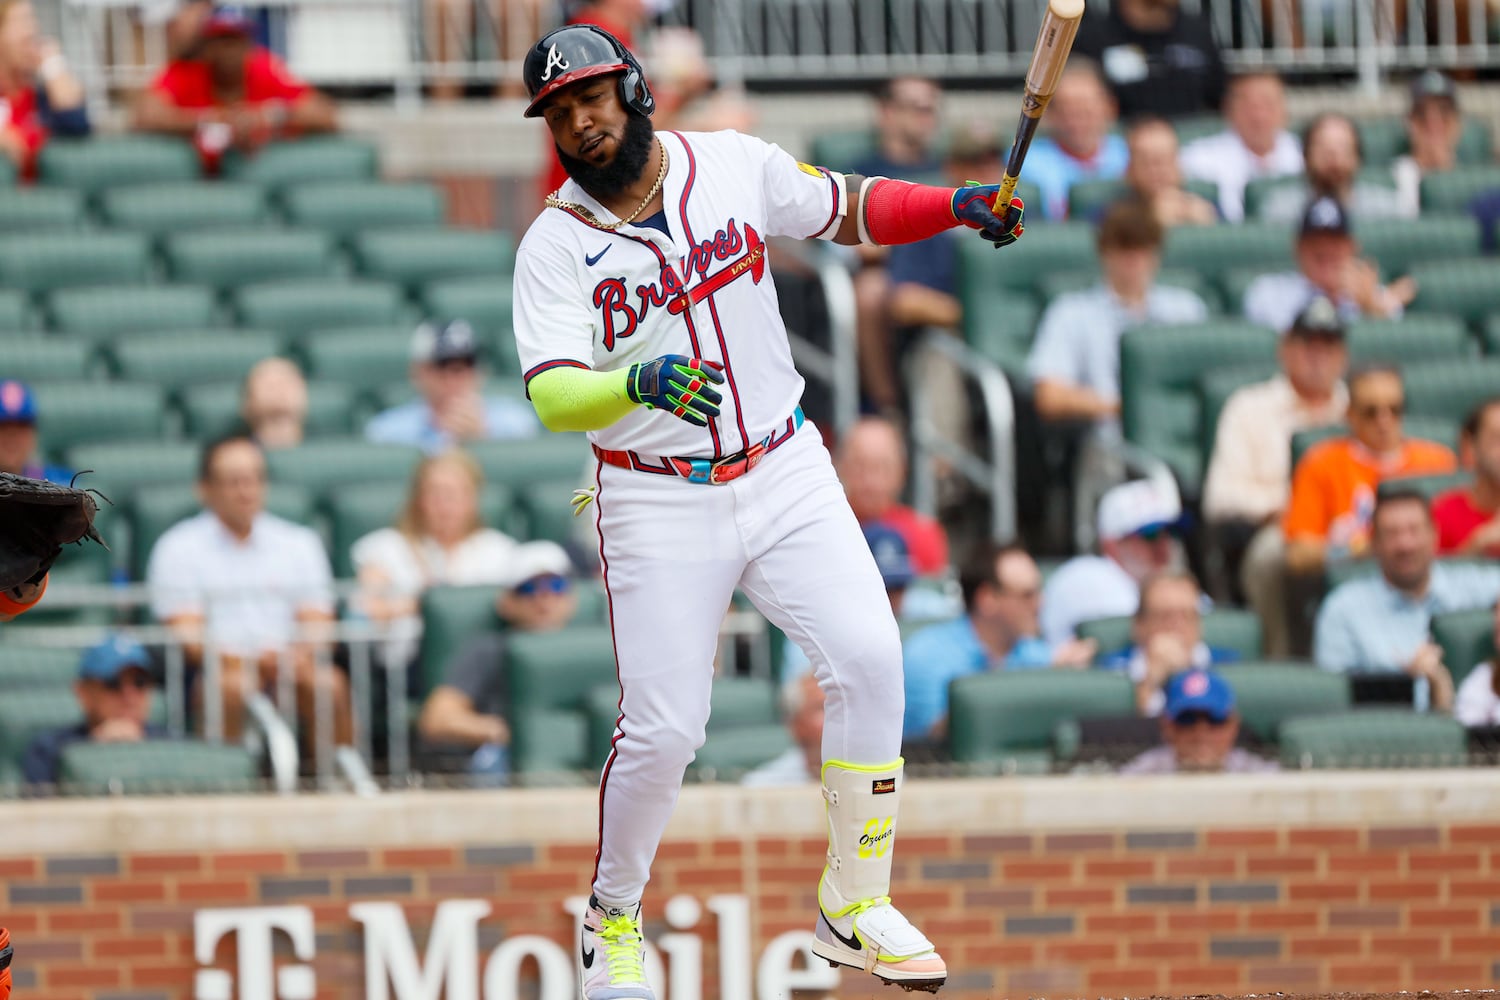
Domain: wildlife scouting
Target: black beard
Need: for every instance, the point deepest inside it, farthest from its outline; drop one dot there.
(611, 180)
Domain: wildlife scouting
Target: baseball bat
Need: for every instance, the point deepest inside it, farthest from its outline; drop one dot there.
(1053, 42)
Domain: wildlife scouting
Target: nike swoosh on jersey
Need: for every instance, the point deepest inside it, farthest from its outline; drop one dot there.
(852, 942)
(591, 261)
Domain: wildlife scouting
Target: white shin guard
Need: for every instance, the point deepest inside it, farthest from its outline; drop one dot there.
(862, 805)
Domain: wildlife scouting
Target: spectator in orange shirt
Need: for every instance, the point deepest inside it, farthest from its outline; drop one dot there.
(229, 92)
(1333, 487)
(871, 464)
(1468, 518)
(39, 95)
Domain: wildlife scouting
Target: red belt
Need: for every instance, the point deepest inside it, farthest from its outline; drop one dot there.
(709, 471)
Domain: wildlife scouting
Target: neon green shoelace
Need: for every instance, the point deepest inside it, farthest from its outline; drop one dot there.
(622, 948)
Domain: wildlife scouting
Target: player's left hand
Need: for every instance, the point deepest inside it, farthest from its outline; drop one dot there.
(973, 205)
(682, 386)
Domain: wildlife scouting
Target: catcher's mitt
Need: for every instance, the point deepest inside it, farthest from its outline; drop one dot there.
(37, 519)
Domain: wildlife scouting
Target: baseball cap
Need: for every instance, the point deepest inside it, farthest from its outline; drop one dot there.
(112, 657)
(1324, 215)
(1432, 86)
(533, 559)
(1319, 318)
(17, 404)
(1137, 506)
(228, 20)
(1199, 691)
(892, 556)
(435, 343)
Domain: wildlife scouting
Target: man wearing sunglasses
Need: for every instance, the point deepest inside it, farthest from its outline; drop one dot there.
(1199, 726)
(114, 693)
(463, 724)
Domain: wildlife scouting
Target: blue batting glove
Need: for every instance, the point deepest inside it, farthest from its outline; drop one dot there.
(680, 385)
(973, 206)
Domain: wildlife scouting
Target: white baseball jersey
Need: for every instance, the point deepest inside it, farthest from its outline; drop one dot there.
(606, 299)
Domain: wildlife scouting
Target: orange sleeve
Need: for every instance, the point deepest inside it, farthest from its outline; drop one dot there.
(10, 607)
(1306, 510)
(1432, 458)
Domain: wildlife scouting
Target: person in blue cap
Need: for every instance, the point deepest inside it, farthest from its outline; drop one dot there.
(114, 693)
(1199, 726)
(18, 435)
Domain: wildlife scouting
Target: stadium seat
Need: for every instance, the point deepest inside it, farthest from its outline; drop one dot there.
(550, 457)
(1008, 718)
(1051, 247)
(1215, 250)
(1373, 738)
(1223, 628)
(1418, 337)
(548, 674)
(175, 361)
(354, 514)
(450, 616)
(1453, 190)
(727, 754)
(736, 704)
(33, 358)
(1450, 389)
(102, 314)
(163, 209)
(296, 307)
(999, 324)
(1161, 409)
(1383, 139)
(486, 304)
(1467, 638)
(15, 312)
(1191, 127)
(76, 412)
(330, 462)
(1462, 288)
(157, 507)
(1398, 244)
(116, 161)
(363, 357)
(7, 172)
(1071, 281)
(548, 513)
(1304, 439)
(229, 259)
(36, 208)
(1259, 190)
(1214, 390)
(214, 408)
(44, 261)
(1429, 486)
(1088, 199)
(120, 469)
(1489, 334)
(346, 207)
(156, 767)
(413, 258)
(1267, 693)
(27, 713)
(302, 161)
(26, 667)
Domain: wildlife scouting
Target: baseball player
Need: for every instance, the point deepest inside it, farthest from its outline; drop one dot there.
(645, 315)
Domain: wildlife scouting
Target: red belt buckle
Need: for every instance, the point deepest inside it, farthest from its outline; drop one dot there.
(724, 472)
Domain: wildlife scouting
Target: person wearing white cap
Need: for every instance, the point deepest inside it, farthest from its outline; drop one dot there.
(466, 713)
(1136, 524)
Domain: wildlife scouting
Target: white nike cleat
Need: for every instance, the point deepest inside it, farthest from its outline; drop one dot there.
(611, 958)
(876, 937)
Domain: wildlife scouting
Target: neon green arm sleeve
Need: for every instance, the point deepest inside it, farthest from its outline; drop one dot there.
(579, 399)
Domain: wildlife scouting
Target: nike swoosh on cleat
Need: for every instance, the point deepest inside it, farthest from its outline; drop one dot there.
(591, 261)
(588, 959)
(852, 943)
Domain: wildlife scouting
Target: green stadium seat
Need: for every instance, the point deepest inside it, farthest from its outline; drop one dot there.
(1467, 638)
(120, 469)
(356, 513)
(486, 303)
(364, 357)
(1429, 486)
(1450, 389)
(33, 358)
(1214, 390)
(450, 616)
(548, 512)
(1215, 250)
(999, 324)
(296, 307)
(15, 312)
(1161, 409)
(27, 667)
(178, 362)
(736, 704)
(1305, 439)
(1267, 693)
(157, 507)
(27, 713)
(163, 209)
(45, 261)
(1008, 718)
(548, 674)
(346, 207)
(115, 161)
(1490, 334)
(1399, 244)
(1191, 127)
(214, 408)
(1384, 139)
(157, 767)
(413, 258)
(78, 412)
(105, 313)
(231, 259)
(1373, 738)
(1418, 337)
(1072, 281)
(31, 209)
(1223, 628)
(1088, 198)
(1261, 190)
(1454, 190)
(550, 457)
(1051, 248)
(1462, 288)
(7, 172)
(302, 161)
(330, 462)
(726, 755)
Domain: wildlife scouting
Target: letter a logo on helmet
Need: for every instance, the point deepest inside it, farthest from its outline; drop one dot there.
(554, 61)
(580, 52)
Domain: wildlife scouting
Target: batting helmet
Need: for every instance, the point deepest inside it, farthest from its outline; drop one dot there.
(578, 52)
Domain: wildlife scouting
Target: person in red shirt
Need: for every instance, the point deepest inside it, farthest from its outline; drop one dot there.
(229, 92)
(39, 95)
(872, 466)
(1468, 518)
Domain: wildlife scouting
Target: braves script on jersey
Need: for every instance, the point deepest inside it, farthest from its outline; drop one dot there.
(601, 299)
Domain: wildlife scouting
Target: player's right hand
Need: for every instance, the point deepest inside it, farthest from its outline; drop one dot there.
(974, 206)
(680, 385)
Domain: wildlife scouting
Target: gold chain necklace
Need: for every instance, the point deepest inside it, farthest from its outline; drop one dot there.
(553, 201)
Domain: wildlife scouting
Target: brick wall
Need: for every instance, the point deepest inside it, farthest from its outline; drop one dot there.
(1137, 909)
